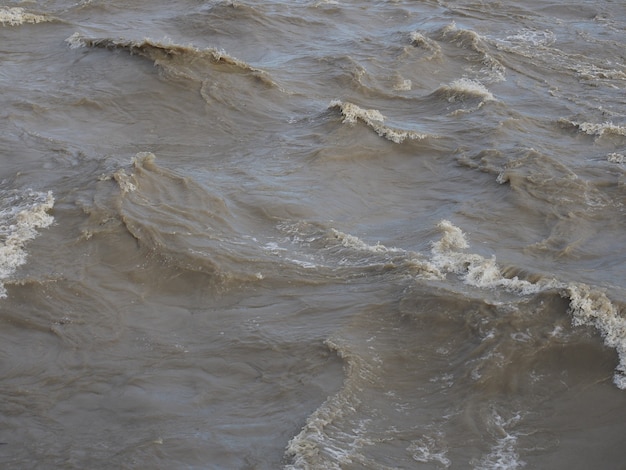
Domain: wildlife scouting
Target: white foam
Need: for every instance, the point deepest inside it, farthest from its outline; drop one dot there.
(601, 129)
(402, 84)
(503, 454)
(21, 214)
(426, 44)
(429, 449)
(616, 157)
(350, 241)
(76, 41)
(16, 16)
(533, 37)
(374, 119)
(474, 269)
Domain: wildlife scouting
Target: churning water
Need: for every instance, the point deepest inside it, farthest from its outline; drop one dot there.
(313, 234)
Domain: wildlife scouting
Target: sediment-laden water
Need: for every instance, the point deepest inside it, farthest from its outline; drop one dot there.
(312, 234)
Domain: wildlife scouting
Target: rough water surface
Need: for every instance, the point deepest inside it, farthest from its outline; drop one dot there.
(312, 234)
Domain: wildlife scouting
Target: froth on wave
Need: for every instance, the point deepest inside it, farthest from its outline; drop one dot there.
(594, 129)
(21, 214)
(154, 49)
(375, 120)
(335, 434)
(15, 16)
(313, 447)
(465, 89)
(426, 44)
(448, 256)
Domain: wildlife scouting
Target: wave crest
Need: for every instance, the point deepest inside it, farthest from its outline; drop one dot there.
(375, 120)
(598, 130)
(181, 60)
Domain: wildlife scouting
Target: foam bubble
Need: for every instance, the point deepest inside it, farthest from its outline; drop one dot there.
(472, 41)
(161, 51)
(21, 214)
(533, 37)
(503, 456)
(402, 84)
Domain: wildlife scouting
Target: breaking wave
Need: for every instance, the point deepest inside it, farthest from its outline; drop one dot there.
(182, 60)
(465, 89)
(375, 120)
(475, 43)
(594, 129)
(426, 44)
(587, 305)
(21, 214)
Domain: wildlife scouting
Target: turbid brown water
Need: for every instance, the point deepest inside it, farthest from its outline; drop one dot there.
(312, 235)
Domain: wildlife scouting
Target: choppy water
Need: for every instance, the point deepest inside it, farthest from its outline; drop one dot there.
(312, 234)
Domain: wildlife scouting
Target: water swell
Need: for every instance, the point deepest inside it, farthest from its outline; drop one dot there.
(157, 51)
(178, 220)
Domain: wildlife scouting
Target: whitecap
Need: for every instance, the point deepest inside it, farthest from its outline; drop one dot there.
(375, 120)
(15, 16)
(21, 214)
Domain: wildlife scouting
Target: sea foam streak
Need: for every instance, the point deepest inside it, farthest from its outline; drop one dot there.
(21, 214)
(375, 120)
(16, 16)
